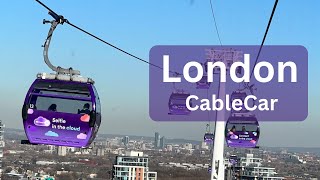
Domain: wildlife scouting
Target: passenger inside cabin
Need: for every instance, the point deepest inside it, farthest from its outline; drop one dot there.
(243, 128)
(52, 107)
(233, 129)
(85, 109)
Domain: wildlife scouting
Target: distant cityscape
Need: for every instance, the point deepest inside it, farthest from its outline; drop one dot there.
(126, 157)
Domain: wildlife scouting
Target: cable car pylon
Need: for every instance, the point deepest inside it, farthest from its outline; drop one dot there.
(218, 168)
(218, 149)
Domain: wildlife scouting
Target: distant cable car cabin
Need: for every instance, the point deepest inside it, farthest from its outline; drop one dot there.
(177, 103)
(208, 136)
(203, 83)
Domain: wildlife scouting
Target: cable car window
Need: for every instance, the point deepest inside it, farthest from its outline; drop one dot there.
(69, 94)
(178, 101)
(98, 105)
(247, 127)
(80, 88)
(59, 105)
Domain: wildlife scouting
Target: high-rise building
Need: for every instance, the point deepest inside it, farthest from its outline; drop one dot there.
(1, 145)
(156, 140)
(100, 152)
(132, 165)
(62, 151)
(108, 143)
(250, 160)
(197, 146)
(125, 140)
(162, 142)
(143, 146)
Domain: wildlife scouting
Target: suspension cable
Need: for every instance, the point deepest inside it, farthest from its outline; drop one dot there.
(113, 46)
(215, 22)
(263, 40)
(217, 31)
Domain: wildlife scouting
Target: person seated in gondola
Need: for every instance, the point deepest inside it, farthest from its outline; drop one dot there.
(85, 109)
(244, 129)
(52, 107)
(232, 130)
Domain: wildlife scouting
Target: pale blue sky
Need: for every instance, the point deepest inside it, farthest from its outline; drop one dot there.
(137, 26)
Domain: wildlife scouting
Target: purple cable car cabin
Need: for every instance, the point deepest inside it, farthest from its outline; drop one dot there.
(203, 83)
(239, 95)
(177, 104)
(208, 137)
(53, 113)
(233, 159)
(242, 131)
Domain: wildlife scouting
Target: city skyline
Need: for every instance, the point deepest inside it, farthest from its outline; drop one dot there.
(111, 157)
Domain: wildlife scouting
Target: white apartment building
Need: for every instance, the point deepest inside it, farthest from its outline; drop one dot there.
(250, 168)
(132, 166)
(250, 160)
(263, 173)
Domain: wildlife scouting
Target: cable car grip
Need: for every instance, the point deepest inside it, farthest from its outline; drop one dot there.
(58, 19)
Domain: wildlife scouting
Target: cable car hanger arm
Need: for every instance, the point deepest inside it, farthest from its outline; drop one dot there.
(58, 20)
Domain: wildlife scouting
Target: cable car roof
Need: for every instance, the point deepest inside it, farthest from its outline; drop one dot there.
(65, 77)
(242, 122)
(179, 96)
(243, 118)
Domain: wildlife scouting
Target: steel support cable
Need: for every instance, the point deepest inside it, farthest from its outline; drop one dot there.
(262, 43)
(218, 34)
(215, 22)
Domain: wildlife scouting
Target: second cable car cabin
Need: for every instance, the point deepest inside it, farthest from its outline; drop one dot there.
(208, 136)
(242, 131)
(203, 83)
(61, 112)
(233, 160)
(177, 103)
